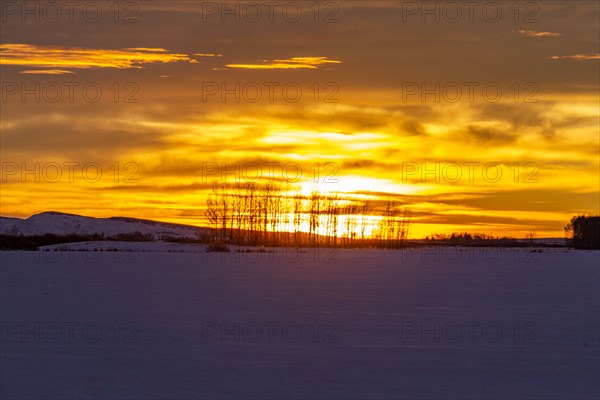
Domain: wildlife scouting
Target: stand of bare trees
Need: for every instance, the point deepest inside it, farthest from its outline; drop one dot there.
(392, 230)
(279, 215)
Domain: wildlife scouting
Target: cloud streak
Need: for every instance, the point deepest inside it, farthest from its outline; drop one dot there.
(577, 57)
(46, 72)
(537, 34)
(290, 63)
(61, 58)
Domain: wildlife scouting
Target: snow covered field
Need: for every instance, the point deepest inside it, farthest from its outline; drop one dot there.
(352, 324)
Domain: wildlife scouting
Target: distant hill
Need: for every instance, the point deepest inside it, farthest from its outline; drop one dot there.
(58, 223)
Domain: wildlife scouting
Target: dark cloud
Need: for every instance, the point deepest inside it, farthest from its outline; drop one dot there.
(490, 135)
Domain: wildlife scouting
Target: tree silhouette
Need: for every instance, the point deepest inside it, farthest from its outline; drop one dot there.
(584, 232)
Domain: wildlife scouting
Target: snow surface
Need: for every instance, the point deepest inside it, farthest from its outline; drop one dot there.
(61, 224)
(170, 309)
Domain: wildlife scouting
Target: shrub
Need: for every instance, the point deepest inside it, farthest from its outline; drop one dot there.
(217, 247)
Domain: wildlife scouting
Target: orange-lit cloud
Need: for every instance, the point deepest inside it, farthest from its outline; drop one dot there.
(578, 57)
(373, 147)
(536, 34)
(81, 58)
(290, 63)
(46, 72)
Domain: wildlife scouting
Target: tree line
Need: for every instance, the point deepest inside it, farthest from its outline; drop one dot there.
(274, 214)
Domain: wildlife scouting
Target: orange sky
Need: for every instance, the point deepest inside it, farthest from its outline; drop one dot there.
(473, 125)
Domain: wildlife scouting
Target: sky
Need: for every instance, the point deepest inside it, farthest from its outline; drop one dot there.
(474, 116)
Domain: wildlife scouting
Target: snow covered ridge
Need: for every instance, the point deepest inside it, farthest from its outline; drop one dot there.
(63, 224)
